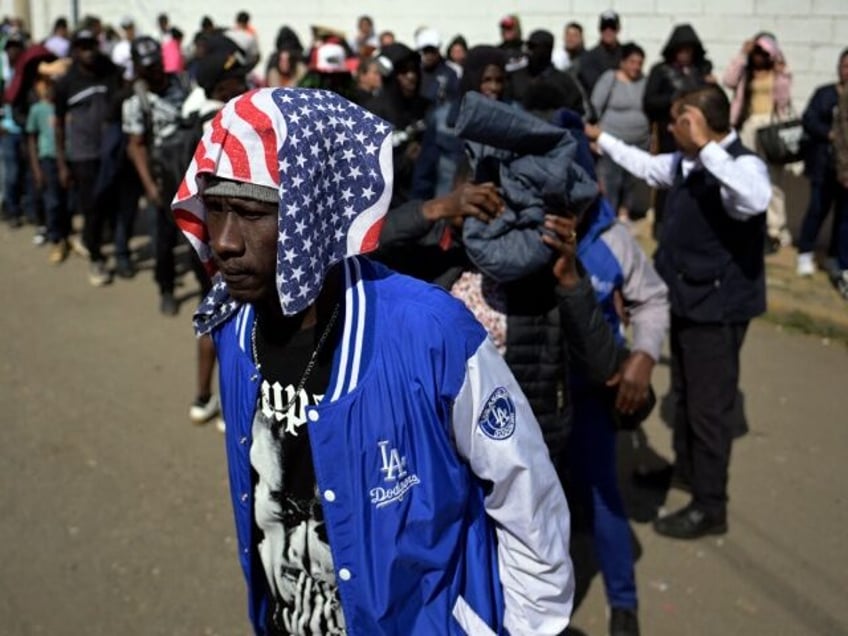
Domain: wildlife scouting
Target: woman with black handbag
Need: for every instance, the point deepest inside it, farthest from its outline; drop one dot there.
(762, 85)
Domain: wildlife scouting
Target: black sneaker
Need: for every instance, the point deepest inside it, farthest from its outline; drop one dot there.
(623, 622)
(690, 522)
(124, 268)
(663, 479)
(168, 304)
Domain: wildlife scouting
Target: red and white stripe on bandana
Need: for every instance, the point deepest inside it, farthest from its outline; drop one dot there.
(331, 162)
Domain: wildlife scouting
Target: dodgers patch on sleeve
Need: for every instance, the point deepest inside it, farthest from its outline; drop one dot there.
(498, 417)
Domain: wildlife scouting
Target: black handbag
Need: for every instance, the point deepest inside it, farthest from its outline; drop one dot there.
(782, 142)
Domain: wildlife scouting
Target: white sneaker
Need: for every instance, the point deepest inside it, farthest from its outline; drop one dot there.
(201, 412)
(98, 275)
(806, 264)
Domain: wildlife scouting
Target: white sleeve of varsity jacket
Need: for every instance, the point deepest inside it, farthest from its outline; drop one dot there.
(497, 433)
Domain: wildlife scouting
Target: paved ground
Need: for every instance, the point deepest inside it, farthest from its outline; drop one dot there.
(116, 518)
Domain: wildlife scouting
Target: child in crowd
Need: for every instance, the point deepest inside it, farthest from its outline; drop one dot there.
(40, 124)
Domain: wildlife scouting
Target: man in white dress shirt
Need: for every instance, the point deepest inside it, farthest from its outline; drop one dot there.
(710, 255)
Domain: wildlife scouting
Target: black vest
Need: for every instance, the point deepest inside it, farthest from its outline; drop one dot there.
(712, 263)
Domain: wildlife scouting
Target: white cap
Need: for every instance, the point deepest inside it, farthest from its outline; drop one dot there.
(428, 37)
(126, 22)
(330, 58)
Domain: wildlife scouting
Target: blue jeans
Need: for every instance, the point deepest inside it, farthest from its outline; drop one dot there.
(11, 149)
(55, 202)
(592, 457)
(824, 193)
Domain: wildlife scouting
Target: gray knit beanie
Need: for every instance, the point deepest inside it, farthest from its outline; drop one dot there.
(215, 186)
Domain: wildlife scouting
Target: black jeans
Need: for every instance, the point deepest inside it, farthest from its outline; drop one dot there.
(167, 237)
(94, 214)
(704, 385)
(127, 192)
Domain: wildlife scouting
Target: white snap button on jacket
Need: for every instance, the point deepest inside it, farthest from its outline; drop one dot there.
(313, 415)
(329, 495)
(344, 574)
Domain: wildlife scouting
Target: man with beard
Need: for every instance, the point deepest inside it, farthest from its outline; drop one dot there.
(377, 444)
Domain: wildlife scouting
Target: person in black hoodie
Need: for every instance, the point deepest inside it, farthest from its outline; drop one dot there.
(684, 67)
(540, 77)
(401, 104)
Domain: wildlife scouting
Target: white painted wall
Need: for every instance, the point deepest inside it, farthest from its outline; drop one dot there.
(812, 32)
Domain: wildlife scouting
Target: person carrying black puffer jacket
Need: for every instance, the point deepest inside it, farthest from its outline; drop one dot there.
(546, 323)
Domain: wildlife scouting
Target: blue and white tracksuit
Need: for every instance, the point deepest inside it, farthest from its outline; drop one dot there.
(443, 511)
(613, 261)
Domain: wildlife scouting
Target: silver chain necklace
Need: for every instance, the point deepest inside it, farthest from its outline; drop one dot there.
(312, 360)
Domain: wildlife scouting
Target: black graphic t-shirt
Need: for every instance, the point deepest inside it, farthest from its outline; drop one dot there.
(293, 548)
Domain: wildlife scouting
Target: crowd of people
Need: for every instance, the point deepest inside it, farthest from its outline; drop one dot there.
(515, 171)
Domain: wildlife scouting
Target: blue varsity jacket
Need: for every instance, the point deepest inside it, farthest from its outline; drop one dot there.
(443, 511)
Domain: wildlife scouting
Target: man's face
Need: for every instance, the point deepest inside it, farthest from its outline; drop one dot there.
(243, 238)
(430, 57)
(153, 74)
(371, 80)
(87, 52)
(492, 82)
(407, 79)
(573, 39)
(609, 36)
(509, 33)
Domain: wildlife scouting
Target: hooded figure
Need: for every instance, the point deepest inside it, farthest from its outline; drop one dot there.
(401, 104)
(684, 66)
(293, 142)
(539, 86)
(477, 61)
(405, 451)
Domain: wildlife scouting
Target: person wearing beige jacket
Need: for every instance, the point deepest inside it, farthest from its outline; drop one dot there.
(762, 89)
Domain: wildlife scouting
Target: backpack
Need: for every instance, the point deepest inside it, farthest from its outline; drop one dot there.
(170, 159)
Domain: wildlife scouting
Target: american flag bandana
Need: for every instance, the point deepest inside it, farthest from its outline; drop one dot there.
(331, 162)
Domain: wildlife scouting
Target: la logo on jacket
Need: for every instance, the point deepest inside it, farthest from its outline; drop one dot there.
(498, 417)
(397, 481)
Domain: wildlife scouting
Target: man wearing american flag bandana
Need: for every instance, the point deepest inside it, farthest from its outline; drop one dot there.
(386, 472)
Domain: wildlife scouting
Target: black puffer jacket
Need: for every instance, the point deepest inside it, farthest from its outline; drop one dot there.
(552, 331)
(528, 159)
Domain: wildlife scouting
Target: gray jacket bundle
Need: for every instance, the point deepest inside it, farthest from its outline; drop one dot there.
(528, 159)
